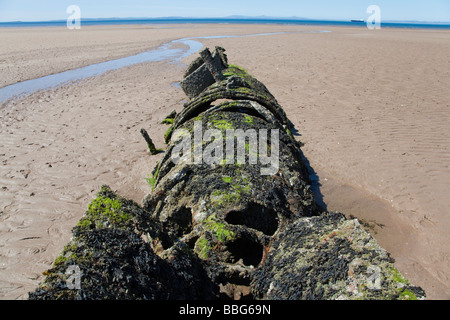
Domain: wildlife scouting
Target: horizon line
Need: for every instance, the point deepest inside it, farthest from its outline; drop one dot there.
(233, 17)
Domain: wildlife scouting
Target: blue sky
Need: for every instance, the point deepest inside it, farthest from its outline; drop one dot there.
(41, 10)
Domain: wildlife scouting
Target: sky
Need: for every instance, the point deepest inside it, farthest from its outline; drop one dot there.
(44, 10)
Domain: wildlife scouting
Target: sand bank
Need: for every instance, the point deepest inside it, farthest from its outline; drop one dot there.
(372, 108)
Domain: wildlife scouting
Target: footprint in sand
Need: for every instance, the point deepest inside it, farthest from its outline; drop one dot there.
(426, 222)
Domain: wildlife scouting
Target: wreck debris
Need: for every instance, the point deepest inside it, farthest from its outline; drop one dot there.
(221, 229)
(169, 119)
(204, 71)
(150, 144)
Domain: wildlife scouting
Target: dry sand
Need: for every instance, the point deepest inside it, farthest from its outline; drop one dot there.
(372, 108)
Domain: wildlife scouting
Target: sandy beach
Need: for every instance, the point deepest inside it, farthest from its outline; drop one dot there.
(371, 107)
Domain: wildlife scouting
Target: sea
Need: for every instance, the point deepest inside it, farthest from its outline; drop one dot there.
(152, 21)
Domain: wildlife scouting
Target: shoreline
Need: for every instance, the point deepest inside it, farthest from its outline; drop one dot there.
(228, 21)
(143, 95)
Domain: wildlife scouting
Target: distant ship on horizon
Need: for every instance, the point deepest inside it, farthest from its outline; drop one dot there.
(357, 20)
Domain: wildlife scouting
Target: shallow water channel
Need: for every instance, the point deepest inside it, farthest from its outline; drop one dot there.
(166, 52)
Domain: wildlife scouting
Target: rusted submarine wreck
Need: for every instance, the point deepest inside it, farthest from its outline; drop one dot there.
(228, 218)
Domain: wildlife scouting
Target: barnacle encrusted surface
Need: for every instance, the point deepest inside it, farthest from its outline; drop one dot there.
(329, 257)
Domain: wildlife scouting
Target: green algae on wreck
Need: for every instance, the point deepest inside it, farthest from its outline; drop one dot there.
(202, 248)
(104, 211)
(219, 229)
(237, 187)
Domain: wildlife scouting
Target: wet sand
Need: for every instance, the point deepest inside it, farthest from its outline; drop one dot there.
(372, 108)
